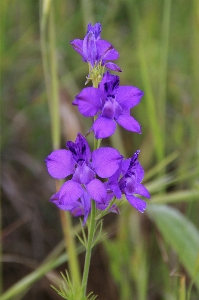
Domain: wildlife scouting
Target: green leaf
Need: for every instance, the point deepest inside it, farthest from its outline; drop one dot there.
(180, 234)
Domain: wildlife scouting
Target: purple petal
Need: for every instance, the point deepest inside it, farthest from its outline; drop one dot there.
(83, 174)
(90, 48)
(141, 190)
(88, 101)
(103, 127)
(82, 207)
(75, 102)
(60, 204)
(60, 163)
(70, 192)
(87, 205)
(129, 123)
(138, 203)
(134, 158)
(106, 51)
(106, 161)
(103, 206)
(96, 29)
(77, 211)
(110, 195)
(128, 96)
(109, 84)
(135, 167)
(109, 109)
(80, 149)
(113, 67)
(54, 197)
(128, 184)
(116, 175)
(125, 165)
(139, 172)
(114, 186)
(97, 190)
(77, 44)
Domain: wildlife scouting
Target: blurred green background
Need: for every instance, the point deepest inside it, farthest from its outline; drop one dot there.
(151, 256)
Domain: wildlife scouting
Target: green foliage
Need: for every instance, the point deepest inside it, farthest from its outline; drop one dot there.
(128, 258)
(180, 234)
(70, 292)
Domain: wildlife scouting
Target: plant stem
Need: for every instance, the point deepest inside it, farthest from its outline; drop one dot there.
(56, 128)
(52, 87)
(1, 250)
(164, 48)
(91, 232)
(70, 246)
(87, 9)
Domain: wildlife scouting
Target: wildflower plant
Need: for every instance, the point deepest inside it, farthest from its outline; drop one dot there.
(96, 179)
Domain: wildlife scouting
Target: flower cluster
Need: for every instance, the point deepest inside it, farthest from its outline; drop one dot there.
(102, 174)
(96, 52)
(76, 193)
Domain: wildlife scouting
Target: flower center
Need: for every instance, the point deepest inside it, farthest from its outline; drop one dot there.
(111, 109)
(83, 174)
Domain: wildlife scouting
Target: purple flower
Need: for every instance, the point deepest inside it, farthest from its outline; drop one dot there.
(76, 193)
(111, 104)
(80, 207)
(94, 50)
(130, 182)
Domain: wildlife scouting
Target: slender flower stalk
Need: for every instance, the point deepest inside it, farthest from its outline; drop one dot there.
(91, 233)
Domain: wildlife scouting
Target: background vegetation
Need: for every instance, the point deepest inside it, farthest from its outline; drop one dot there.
(150, 256)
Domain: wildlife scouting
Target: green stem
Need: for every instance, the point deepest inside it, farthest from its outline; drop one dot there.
(56, 133)
(52, 86)
(150, 100)
(87, 9)
(91, 232)
(163, 69)
(1, 250)
(71, 247)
